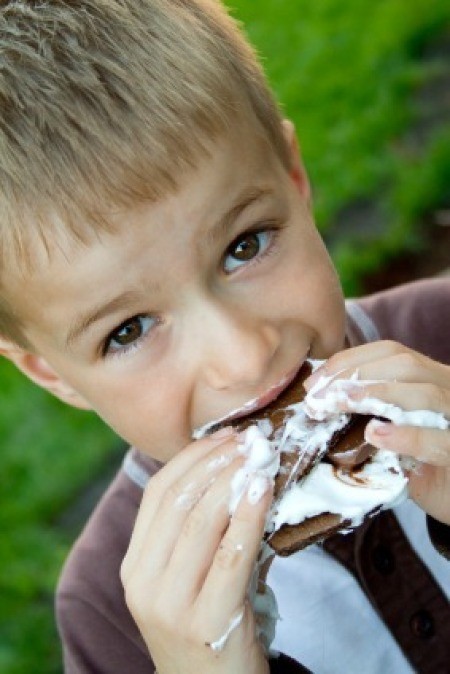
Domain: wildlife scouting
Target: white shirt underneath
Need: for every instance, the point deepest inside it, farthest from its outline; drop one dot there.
(327, 622)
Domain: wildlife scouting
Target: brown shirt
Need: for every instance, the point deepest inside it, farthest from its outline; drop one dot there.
(97, 631)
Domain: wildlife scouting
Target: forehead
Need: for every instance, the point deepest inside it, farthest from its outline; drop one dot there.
(241, 155)
(64, 271)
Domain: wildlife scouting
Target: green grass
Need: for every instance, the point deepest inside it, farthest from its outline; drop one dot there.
(48, 453)
(348, 74)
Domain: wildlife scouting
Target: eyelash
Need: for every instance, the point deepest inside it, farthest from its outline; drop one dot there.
(126, 348)
(271, 228)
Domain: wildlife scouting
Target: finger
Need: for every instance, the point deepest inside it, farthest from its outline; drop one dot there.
(165, 505)
(234, 560)
(357, 397)
(427, 445)
(201, 534)
(382, 360)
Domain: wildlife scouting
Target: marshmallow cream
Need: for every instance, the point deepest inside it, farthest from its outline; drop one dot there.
(378, 484)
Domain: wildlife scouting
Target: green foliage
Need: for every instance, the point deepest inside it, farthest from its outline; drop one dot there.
(49, 452)
(348, 74)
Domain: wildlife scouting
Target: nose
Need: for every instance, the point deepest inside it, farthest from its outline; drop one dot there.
(236, 348)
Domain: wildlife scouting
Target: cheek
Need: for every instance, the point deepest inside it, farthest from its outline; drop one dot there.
(309, 273)
(317, 295)
(320, 279)
(148, 414)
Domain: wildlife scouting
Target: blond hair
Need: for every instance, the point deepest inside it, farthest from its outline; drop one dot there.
(109, 102)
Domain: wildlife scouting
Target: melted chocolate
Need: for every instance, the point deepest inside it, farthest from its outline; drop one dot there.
(350, 449)
(347, 450)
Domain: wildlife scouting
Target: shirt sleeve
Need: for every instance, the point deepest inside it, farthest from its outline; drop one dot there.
(93, 643)
(415, 314)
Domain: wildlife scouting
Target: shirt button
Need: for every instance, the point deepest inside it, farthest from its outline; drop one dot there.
(383, 560)
(422, 624)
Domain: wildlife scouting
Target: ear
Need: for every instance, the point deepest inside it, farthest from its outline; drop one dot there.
(41, 373)
(297, 170)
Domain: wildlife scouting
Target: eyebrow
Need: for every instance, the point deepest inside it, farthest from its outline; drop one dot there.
(82, 323)
(246, 198)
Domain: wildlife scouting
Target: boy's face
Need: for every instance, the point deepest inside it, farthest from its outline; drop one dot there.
(193, 306)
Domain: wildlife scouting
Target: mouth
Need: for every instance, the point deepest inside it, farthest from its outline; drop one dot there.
(273, 394)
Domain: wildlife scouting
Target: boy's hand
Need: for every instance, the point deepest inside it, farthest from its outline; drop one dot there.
(188, 566)
(410, 381)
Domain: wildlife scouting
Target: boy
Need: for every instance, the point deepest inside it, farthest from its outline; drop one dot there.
(161, 266)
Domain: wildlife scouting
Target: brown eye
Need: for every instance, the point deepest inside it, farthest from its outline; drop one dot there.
(129, 333)
(247, 247)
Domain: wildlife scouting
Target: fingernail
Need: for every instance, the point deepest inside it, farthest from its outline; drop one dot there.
(378, 428)
(314, 377)
(258, 486)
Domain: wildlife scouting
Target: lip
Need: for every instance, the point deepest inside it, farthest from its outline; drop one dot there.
(254, 404)
(266, 398)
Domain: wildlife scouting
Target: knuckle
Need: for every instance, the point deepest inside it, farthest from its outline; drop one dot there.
(393, 347)
(436, 397)
(195, 524)
(228, 555)
(406, 362)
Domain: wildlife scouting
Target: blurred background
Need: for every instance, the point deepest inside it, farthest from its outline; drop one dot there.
(368, 87)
